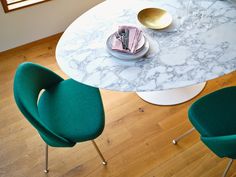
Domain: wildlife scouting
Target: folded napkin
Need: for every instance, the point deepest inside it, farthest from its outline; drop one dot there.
(134, 36)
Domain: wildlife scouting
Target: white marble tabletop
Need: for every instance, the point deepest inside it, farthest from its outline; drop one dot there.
(200, 45)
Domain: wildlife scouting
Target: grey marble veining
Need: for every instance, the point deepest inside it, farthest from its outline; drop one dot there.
(199, 45)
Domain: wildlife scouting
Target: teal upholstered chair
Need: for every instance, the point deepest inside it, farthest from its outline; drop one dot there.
(214, 117)
(64, 112)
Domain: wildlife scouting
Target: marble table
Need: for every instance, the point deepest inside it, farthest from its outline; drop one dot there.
(200, 45)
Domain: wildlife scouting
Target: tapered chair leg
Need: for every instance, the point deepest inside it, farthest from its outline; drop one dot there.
(175, 141)
(104, 162)
(46, 159)
(227, 167)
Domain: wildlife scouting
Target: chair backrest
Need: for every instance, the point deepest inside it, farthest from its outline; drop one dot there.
(29, 80)
(213, 116)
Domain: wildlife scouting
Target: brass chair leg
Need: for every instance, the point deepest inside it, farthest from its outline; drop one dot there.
(104, 162)
(46, 159)
(227, 167)
(175, 141)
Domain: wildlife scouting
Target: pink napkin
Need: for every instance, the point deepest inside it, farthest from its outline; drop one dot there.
(134, 38)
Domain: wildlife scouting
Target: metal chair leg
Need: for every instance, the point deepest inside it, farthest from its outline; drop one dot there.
(175, 141)
(227, 167)
(46, 159)
(104, 162)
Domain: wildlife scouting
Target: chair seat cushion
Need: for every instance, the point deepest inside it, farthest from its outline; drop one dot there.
(72, 110)
(215, 113)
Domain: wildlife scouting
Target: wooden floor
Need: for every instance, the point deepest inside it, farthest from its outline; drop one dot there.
(136, 141)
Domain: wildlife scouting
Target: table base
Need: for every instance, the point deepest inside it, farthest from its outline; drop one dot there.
(173, 96)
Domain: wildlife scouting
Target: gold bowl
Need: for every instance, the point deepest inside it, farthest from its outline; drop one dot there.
(154, 18)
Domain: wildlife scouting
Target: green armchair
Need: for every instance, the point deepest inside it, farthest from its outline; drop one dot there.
(213, 116)
(64, 112)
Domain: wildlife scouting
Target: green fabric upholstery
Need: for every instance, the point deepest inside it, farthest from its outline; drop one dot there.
(68, 112)
(72, 110)
(223, 146)
(214, 117)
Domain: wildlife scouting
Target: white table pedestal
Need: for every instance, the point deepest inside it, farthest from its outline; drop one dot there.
(173, 96)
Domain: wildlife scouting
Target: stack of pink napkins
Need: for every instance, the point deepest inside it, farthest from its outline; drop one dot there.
(134, 37)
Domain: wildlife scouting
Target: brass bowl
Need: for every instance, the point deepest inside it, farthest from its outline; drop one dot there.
(154, 18)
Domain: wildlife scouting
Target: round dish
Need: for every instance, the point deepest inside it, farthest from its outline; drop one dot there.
(154, 18)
